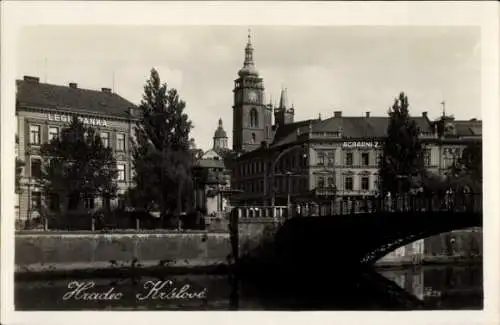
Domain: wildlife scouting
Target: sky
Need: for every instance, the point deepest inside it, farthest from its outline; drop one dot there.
(325, 69)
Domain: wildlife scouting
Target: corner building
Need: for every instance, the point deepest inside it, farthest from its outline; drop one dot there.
(43, 110)
(307, 162)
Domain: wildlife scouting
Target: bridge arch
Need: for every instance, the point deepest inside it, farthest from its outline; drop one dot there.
(364, 238)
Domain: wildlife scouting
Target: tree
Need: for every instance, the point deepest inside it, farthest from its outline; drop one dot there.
(471, 162)
(77, 165)
(401, 166)
(162, 157)
(468, 169)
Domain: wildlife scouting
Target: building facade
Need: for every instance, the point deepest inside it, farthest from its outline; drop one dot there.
(338, 157)
(212, 176)
(43, 110)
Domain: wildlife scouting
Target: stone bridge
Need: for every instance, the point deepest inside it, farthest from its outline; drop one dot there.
(358, 237)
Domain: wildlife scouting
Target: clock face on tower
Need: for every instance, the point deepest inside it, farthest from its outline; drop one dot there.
(252, 96)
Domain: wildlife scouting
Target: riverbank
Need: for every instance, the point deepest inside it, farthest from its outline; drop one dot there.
(101, 271)
(427, 260)
(58, 254)
(42, 255)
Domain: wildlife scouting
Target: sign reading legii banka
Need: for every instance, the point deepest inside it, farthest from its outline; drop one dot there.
(85, 120)
(360, 144)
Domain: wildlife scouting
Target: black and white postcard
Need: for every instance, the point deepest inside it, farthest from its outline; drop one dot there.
(272, 157)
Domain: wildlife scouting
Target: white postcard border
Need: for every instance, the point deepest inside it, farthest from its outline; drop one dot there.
(16, 14)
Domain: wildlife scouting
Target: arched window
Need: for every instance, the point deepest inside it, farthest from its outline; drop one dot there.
(254, 118)
(253, 138)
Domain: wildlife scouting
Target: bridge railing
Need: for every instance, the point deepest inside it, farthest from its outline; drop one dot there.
(251, 212)
(343, 205)
(403, 203)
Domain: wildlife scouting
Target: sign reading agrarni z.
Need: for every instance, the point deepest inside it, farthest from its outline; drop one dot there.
(360, 144)
(85, 120)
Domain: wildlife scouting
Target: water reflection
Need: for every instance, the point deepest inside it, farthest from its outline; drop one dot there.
(440, 287)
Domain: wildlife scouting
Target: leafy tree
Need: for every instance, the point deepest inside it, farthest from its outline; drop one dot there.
(471, 161)
(162, 154)
(468, 169)
(77, 165)
(401, 166)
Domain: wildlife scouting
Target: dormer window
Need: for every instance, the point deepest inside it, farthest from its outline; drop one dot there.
(449, 128)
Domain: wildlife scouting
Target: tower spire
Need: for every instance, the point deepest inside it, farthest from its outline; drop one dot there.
(248, 52)
(283, 99)
(248, 64)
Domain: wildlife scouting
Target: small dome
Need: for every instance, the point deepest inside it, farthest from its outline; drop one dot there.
(220, 133)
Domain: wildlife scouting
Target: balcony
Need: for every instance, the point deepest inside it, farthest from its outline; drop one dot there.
(215, 179)
(325, 191)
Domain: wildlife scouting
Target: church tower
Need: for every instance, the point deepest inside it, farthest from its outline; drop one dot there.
(283, 114)
(220, 138)
(252, 119)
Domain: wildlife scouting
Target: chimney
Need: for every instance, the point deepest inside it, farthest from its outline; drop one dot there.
(337, 114)
(367, 114)
(31, 79)
(73, 85)
(106, 90)
(424, 115)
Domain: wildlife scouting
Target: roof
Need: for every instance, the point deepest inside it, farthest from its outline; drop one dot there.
(286, 133)
(354, 127)
(364, 127)
(30, 92)
(469, 128)
(209, 163)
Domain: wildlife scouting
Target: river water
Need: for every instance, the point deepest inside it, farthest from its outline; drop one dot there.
(428, 287)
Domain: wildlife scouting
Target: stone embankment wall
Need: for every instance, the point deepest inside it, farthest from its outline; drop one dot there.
(69, 251)
(454, 246)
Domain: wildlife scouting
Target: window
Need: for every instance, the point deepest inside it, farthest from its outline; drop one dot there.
(427, 157)
(54, 202)
(348, 158)
(320, 182)
(35, 134)
(331, 182)
(331, 159)
(88, 202)
(348, 184)
(379, 154)
(53, 132)
(36, 200)
(121, 172)
(120, 142)
(365, 158)
(365, 183)
(122, 201)
(105, 139)
(36, 167)
(253, 138)
(321, 158)
(254, 118)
